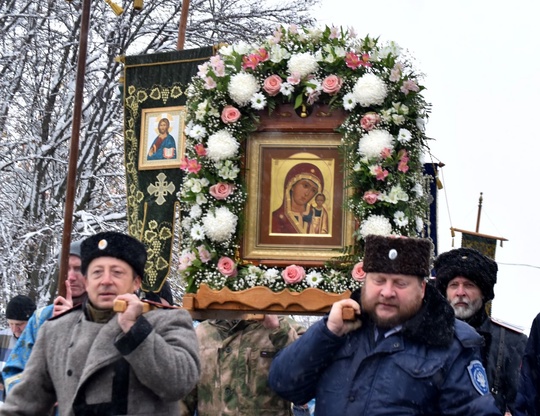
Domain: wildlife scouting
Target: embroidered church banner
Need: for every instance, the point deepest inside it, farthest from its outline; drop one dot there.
(154, 95)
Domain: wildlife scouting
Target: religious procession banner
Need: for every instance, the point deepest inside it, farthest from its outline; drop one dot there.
(154, 115)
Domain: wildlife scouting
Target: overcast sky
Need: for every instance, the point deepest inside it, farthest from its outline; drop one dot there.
(482, 64)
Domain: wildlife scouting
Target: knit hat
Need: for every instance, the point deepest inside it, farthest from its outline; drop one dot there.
(75, 248)
(20, 308)
(469, 263)
(114, 244)
(397, 255)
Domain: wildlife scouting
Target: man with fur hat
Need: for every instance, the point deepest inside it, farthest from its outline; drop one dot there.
(467, 278)
(94, 361)
(75, 294)
(18, 311)
(405, 354)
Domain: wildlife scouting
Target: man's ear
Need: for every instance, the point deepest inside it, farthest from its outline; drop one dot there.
(137, 282)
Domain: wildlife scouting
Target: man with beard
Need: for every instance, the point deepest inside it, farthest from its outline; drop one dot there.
(405, 354)
(467, 278)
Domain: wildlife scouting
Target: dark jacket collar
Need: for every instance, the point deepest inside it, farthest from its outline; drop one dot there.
(433, 324)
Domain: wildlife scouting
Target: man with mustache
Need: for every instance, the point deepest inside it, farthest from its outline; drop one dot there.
(467, 278)
(405, 354)
(94, 361)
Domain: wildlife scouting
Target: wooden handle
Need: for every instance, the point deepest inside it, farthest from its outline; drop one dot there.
(121, 306)
(347, 314)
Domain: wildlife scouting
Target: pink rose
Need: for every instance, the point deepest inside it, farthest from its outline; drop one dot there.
(230, 114)
(293, 274)
(332, 84)
(370, 120)
(358, 272)
(221, 190)
(272, 85)
(371, 197)
(227, 267)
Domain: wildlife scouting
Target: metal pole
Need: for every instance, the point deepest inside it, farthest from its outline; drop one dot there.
(183, 25)
(479, 212)
(74, 147)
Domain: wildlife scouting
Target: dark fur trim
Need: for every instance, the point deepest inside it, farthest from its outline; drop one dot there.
(433, 325)
(469, 263)
(398, 255)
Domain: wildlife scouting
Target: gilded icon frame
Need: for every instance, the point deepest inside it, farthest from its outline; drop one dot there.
(171, 156)
(269, 156)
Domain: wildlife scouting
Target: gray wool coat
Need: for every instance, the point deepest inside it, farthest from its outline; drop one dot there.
(96, 369)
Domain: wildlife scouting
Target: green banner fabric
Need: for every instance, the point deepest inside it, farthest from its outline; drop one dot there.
(154, 95)
(484, 245)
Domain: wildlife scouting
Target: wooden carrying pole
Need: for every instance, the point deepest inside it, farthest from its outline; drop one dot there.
(74, 147)
(183, 25)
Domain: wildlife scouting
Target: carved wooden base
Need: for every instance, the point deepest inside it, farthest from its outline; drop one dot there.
(228, 304)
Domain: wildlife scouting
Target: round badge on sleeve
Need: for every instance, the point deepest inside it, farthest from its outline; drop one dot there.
(478, 376)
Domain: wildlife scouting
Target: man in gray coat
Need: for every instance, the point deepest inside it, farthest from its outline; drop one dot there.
(93, 361)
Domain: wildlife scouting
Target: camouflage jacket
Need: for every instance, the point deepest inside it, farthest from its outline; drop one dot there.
(235, 361)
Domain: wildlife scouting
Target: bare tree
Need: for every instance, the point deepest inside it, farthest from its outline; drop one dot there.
(39, 43)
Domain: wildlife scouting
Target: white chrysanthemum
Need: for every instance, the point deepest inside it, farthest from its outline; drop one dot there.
(242, 87)
(197, 232)
(313, 278)
(404, 136)
(376, 225)
(372, 144)
(418, 189)
(400, 219)
(369, 90)
(221, 145)
(302, 64)
(195, 211)
(219, 225)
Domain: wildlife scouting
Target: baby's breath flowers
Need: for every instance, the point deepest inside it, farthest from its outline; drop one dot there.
(382, 139)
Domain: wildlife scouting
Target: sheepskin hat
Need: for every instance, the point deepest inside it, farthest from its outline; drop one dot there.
(469, 263)
(114, 244)
(398, 255)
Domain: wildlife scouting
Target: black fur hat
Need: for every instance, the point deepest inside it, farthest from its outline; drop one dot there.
(469, 263)
(114, 244)
(20, 308)
(398, 255)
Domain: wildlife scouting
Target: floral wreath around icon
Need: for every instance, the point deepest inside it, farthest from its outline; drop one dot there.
(383, 140)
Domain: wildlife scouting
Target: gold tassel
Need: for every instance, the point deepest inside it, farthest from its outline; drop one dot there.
(438, 182)
(118, 10)
(138, 4)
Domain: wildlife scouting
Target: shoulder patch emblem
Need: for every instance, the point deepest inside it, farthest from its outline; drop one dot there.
(478, 377)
